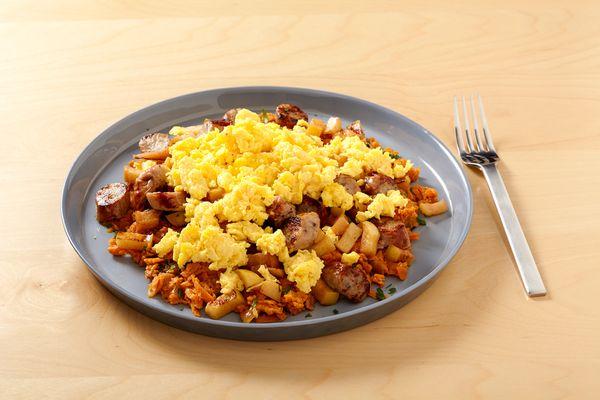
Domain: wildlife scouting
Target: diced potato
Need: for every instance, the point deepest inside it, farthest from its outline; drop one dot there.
(340, 225)
(325, 246)
(249, 315)
(315, 127)
(324, 294)
(334, 125)
(320, 235)
(337, 211)
(146, 220)
(130, 174)
(249, 278)
(431, 209)
(369, 239)
(224, 304)
(271, 289)
(132, 241)
(349, 237)
(176, 218)
(392, 253)
(216, 194)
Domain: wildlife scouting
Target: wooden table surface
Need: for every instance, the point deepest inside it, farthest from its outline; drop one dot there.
(71, 68)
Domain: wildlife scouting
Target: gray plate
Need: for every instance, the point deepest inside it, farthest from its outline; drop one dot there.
(102, 162)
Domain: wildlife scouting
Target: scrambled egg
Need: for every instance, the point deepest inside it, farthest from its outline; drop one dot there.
(167, 243)
(253, 162)
(330, 234)
(304, 268)
(383, 205)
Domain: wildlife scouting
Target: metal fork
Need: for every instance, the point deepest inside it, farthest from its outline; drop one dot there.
(482, 154)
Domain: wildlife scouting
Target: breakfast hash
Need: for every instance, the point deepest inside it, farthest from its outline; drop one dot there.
(265, 214)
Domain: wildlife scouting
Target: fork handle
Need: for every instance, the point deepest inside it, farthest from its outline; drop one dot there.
(530, 276)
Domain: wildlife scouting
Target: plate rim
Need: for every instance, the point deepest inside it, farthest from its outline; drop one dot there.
(170, 312)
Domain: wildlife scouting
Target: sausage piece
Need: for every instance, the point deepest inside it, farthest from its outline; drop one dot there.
(166, 201)
(379, 183)
(112, 202)
(309, 205)
(393, 232)
(230, 115)
(301, 231)
(289, 114)
(356, 127)
(349, 183)
(280, 210)
(154, 142)
(150, 180)
(350, 281)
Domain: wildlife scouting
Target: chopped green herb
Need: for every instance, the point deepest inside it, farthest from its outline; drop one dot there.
(180, 293)
(254, 302)
(181, 309)
(308, 315)
(392, 290)
(264, 117)
(421, 221)
(380, 294)
(286, 289)
(335, 311)
(171, 269)
(396, 156)
(388, 286)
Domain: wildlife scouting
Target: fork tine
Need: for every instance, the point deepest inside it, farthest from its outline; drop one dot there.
(470, 146)
(476, 126)
(457, 129)
(486, 129)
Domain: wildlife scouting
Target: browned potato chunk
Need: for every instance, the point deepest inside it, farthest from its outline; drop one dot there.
(176, 218)
(130, 174)
(349, 237)
(325, 246)
(392, 253)
(132, 241)
(147, 219)
(369, 239)
(334, 125)
(324, 294)
(431, 209)
(224, 304)
(249, 278)
(271, 289)
(340, 225)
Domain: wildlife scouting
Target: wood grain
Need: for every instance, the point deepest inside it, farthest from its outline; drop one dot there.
(71, 68)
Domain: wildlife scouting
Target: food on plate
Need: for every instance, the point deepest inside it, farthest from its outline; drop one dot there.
(265, 214)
